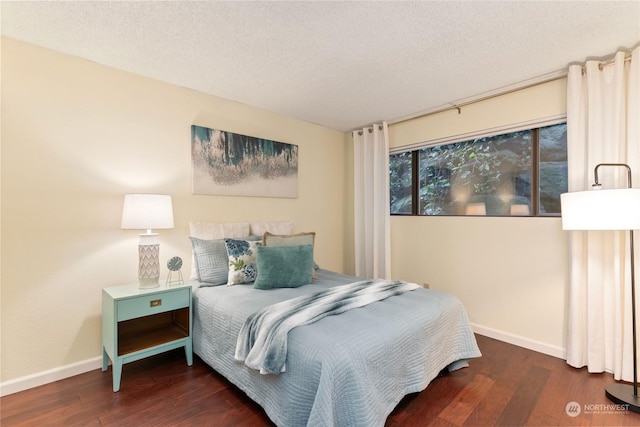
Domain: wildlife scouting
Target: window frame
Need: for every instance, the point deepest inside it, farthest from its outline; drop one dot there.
(533, 126)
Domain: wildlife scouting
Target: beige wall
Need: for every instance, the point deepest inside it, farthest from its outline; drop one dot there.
(510, 273)
(77, 136)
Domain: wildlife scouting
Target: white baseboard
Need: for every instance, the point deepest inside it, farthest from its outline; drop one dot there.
(45, 377)
(56, 374)
(520, 341)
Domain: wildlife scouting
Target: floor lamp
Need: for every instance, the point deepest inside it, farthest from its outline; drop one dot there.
(614, 209)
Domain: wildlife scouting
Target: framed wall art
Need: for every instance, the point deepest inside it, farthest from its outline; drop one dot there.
(227, 163)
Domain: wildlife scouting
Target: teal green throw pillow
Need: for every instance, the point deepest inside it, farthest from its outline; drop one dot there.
(283, 266)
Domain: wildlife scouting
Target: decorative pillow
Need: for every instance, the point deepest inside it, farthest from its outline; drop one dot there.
(215, 230)
(276, 227)
(283, 266)
(242, 261)
(270, 239)
(211, 261)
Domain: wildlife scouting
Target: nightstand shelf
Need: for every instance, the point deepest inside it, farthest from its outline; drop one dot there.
(144, 332)
(138, 323)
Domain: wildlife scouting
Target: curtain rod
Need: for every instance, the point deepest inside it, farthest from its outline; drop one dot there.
(546, 78)
(457, 105)
(370, 129)
(606, 62)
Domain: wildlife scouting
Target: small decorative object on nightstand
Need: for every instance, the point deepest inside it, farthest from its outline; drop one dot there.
(174, 264)
(138, 323)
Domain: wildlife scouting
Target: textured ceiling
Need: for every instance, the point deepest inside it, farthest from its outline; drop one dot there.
(342, 65)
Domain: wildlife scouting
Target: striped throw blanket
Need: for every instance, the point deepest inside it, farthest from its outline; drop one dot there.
(262, 341)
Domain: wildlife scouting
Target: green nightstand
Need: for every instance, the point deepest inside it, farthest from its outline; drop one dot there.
(138, 323)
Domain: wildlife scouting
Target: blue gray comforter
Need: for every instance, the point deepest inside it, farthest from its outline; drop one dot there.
(350, 369)
(262, 341)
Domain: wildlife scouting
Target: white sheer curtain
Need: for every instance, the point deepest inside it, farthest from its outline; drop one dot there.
(603, 125)
(371, 202)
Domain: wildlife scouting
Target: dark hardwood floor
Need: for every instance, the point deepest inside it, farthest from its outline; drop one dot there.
(508, 386)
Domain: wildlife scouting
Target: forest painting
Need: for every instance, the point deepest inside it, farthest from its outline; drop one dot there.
(227, 163)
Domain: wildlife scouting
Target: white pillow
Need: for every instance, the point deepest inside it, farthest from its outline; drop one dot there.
(212, 231)
(277, 227)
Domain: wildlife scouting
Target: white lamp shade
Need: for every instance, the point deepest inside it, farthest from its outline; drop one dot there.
(476, 209)
(519, 209)
(616, 209)
(147, 211)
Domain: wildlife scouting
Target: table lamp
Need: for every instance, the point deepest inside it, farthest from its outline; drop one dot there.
(146, 212)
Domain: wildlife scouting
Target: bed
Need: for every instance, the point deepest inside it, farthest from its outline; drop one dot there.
(349, 369)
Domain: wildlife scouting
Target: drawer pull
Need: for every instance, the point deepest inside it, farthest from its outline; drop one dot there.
(155, 303)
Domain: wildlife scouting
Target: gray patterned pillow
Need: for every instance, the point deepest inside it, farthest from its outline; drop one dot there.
(212, 261)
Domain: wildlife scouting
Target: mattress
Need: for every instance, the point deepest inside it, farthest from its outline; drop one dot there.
(350, 369)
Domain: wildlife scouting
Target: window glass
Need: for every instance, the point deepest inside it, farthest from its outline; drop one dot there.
(518, 173)
(400, 179)
(553, 167)
(486, 176)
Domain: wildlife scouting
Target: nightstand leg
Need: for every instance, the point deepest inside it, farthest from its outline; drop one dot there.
(117, 374)
(188, 349)
(105, 360)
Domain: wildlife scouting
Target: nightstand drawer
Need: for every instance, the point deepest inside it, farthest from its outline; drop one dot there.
(146, 305)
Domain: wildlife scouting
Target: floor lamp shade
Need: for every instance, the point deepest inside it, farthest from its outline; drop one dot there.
(617, 209)
(146, 212)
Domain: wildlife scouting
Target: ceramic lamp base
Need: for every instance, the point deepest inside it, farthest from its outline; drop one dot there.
(148, 261)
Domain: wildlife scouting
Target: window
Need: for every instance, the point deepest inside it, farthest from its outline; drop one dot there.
(517, 173)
